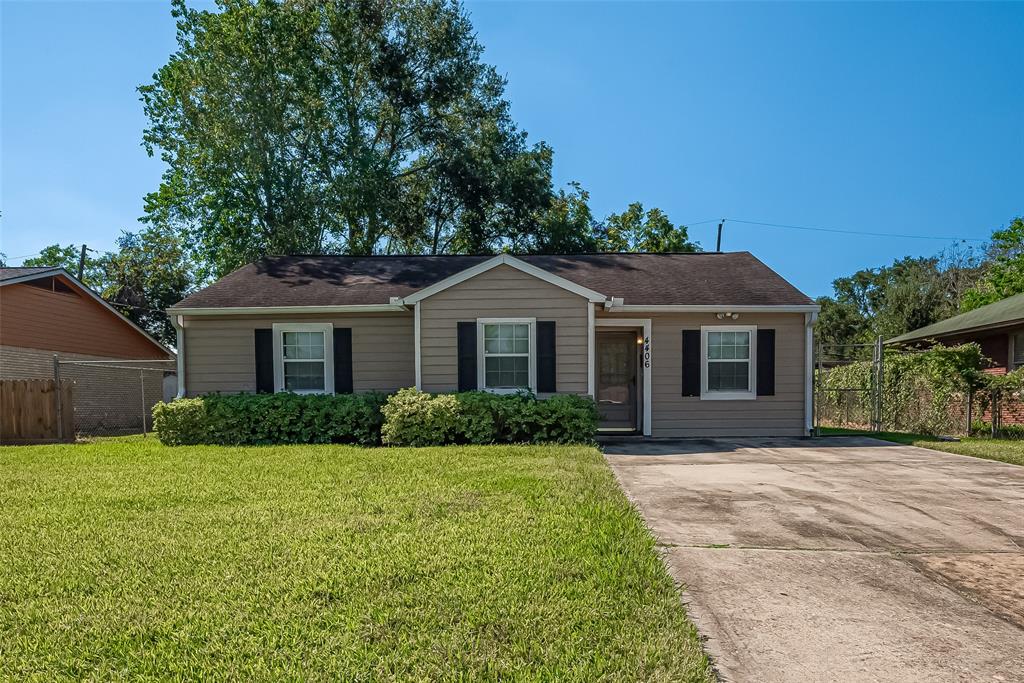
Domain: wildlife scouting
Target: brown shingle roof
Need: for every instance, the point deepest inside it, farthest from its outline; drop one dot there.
(22, 271)
(708, 278)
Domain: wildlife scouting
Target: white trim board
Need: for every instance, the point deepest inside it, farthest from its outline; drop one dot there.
(504, 260)
(417, 344)
(327, 329)
(751, 393)
(809, 320)
(713, 308)
(481, 359)
(646, 361)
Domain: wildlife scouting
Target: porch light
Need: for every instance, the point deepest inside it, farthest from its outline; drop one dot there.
(731, 316)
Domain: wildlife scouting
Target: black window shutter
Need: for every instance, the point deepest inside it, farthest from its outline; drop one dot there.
(766, 362)
(264, 361)
(467, 356)
(546, 368)
(343, 360)
(691, 362)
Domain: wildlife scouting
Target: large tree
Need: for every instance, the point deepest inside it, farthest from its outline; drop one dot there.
(68, 257)
(910, 293)
(337, 126)
(1004, 270)
(148, 273)
(643, 231)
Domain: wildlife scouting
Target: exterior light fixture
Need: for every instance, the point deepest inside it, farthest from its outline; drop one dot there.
(731, 316)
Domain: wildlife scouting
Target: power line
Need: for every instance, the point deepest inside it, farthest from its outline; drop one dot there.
(857, 232)
(25, 256)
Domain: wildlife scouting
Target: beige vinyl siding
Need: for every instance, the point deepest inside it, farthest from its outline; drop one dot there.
(502, 292)
(220, 353)
(675, 415)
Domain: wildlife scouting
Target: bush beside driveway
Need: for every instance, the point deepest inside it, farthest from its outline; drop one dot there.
(126, 559)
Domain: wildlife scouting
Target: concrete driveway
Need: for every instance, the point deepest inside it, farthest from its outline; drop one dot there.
(839, 559)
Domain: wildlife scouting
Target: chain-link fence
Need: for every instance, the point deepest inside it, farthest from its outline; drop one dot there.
(845, 399)
(871, 387)
(115, 397)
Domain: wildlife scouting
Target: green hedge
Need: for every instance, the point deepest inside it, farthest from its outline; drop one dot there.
(415, 418)
(408, 418)
(247, 419)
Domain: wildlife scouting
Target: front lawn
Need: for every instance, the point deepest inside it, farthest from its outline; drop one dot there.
(1004, 450)
(126, 559)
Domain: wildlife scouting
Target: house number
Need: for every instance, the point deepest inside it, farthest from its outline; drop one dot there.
(647, 352)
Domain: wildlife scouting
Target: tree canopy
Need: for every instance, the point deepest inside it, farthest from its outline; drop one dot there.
(914, 292)
(1004, 271)
(149, 272)
(291, 126)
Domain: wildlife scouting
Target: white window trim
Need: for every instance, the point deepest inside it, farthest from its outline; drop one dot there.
(328, 332)
(1012, 364)
(480, 357)
(707, 395)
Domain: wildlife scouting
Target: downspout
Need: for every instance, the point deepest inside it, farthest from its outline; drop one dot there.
(416, 346)
(809, 320)
(178, 323)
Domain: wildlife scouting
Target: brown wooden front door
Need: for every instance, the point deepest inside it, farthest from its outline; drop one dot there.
(616, 380)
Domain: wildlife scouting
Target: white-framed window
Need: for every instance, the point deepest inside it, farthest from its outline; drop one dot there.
(1016, 350)
(506, 355)
(728, 359)
(304, 358)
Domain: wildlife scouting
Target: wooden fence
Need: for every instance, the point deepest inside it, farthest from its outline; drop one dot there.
(33, 411)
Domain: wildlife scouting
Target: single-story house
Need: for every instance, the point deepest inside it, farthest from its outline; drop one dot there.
(47, 312)
(998, 329)
(670, 345)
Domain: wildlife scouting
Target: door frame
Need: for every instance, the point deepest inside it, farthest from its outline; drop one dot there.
(646, 361)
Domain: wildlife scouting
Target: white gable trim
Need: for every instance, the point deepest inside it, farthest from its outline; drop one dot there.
(505, 260)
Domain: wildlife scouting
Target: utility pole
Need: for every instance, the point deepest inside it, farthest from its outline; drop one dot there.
(81, 262)
(718, 245)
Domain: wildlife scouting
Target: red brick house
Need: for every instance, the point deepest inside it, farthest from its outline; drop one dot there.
(998, 328)
(47, 312)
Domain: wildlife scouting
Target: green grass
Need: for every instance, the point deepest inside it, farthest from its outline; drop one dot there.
(1004, 450)
(126, 559)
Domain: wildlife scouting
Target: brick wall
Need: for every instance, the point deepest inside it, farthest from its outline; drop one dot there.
(106, 400)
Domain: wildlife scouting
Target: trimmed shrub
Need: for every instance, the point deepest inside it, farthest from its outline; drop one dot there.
(414, 418)
(254, 419)
(182, 422)
(406, 418)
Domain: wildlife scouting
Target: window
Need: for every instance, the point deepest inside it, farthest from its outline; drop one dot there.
(506, 354)
(1017, 349)
(728, 354)
(303, 358)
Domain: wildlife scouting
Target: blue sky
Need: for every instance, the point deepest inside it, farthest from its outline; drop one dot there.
(892, 118)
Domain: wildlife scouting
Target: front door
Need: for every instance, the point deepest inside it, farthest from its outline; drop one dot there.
(616, 380)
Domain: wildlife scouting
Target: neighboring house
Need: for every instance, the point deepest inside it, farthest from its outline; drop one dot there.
(702, 344)
(46, 312)
(997, 328)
